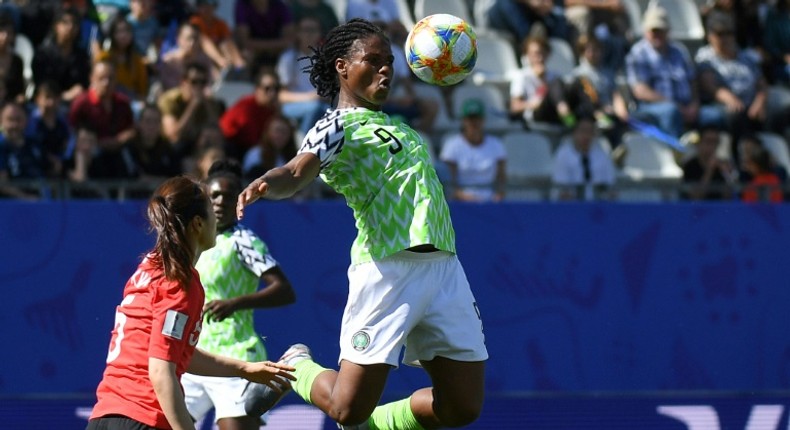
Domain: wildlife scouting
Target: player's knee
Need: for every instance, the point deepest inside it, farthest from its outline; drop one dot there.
(460, 418)
(459, 415)
(349, 416)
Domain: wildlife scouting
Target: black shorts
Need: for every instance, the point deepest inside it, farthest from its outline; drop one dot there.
(117, 422)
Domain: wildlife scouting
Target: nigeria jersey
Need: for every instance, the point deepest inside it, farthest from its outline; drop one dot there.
(383, 169)
(232, 268)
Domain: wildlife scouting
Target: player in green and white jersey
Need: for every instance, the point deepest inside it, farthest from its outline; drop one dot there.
(231, 273)
(406, 286)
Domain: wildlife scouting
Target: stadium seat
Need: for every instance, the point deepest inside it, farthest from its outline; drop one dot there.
(529, 165)
(647, 158)
(480, 13)
(231, 91)
(444, 120)
(634, 12)
(496, 59)
(778, 99)
(423, 8)
(777, 146)
(562, 59)
(497, 118)
(685, 21)
(404, 12)
(600, 141)
(529, 155)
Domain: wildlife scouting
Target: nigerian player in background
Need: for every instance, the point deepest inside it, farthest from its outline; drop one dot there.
(158, 322)
(231, 273)
(406, 286)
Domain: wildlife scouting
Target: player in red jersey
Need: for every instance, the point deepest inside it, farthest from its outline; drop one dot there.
(158, 322)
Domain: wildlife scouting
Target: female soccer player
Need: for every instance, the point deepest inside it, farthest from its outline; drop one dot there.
(158, 322)
(231, 272)
(406, 286)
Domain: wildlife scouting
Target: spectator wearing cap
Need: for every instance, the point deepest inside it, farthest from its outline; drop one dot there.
(731, 82)
(582, 170)
(475, 160)
(661, 76)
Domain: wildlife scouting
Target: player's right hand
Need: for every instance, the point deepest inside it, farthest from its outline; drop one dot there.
(257, 189)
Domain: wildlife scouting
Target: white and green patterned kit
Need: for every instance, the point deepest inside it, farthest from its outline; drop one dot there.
(232, 268)
(384, 170)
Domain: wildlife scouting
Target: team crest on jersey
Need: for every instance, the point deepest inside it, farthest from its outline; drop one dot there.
(360, 341)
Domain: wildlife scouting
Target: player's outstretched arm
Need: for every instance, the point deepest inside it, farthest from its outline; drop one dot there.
(262, 372)
(281, 182)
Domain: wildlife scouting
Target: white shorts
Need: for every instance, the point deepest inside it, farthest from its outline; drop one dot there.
(225, 395)
(420, 301)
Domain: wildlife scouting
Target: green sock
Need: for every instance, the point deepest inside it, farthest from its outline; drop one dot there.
(394, 416)
(306, 372)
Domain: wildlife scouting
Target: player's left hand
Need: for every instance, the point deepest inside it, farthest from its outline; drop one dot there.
(253, 192)
(270, 374)
(218, 310)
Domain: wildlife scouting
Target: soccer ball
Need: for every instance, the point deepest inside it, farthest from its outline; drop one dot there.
(441, 49)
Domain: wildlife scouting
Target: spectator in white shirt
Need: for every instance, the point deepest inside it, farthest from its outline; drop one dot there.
(475, 160)
(582, 169)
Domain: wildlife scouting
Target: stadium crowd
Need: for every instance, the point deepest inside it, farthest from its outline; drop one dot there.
(575, 97)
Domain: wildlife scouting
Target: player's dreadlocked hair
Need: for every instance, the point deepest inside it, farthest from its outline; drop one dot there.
(337, 44)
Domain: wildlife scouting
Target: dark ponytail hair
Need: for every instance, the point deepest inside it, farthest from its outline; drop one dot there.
(337, 44)
(172, 207)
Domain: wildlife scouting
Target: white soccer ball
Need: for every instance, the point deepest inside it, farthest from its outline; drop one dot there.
(441, 49)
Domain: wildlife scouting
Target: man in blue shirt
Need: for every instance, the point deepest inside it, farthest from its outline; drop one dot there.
(661, 76)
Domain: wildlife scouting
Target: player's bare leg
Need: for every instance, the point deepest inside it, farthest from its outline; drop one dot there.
(453, 401)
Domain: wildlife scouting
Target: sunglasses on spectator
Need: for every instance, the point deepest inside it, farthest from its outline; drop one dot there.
(270, 87)
(197, 81)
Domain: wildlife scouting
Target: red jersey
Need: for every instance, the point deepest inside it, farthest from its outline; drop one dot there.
(88, 111)
(157, 318)
(243, 124)
(765, 187)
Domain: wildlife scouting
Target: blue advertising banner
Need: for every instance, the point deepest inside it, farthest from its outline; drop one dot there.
(575, 298)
